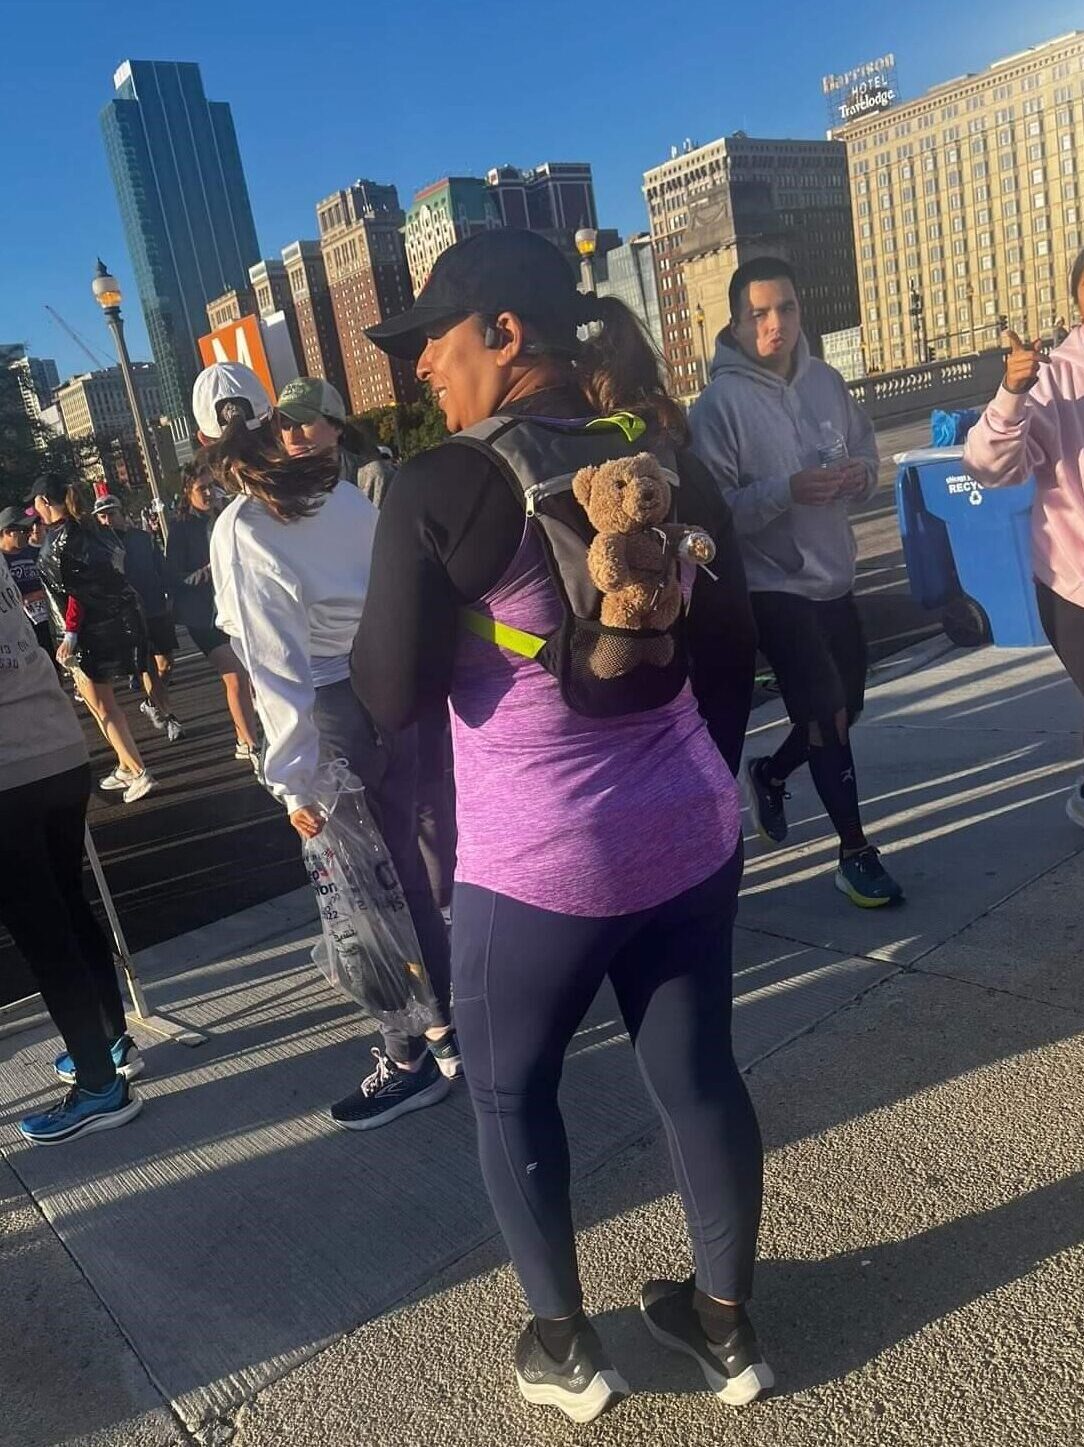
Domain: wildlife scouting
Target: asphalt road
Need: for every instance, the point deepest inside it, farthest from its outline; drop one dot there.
(209, 841)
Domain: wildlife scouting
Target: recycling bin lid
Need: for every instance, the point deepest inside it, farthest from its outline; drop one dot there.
(927, 454)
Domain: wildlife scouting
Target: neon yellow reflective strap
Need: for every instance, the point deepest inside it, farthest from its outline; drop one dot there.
(515, 640)
(629, 423)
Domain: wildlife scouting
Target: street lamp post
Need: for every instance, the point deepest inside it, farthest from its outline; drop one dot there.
(107, 294)
(586, 240)
(699, 318)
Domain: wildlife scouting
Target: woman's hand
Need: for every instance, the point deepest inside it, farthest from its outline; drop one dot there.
(64, 652)
(308, 821)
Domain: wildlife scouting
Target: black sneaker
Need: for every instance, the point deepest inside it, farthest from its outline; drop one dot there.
(582, 1386)
(390, 1092)
(446, 1053)
(735, 1369)
(865, 881)
(766, 802)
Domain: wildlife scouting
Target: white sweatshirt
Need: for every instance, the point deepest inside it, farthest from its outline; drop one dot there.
(289, 594)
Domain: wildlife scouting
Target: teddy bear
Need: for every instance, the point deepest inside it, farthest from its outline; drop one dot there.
(633, 559)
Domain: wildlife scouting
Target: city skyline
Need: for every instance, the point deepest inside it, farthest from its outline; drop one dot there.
(294, 153)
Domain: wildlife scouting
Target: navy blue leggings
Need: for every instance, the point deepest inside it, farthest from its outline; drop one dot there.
(522, 981)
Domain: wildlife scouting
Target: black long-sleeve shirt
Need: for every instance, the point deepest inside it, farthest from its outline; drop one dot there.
(448, 531)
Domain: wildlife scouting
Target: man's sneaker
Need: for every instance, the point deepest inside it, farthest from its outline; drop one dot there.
(582, 1386)
(120, 778)
(82, 1111)
(1074, 805)
(446, 1053)
(766, 802)
(174, 730)
(126, 1059)
(140, 784)
(390, 1092)
(154, 713)
(865, 881)
(734, 1369)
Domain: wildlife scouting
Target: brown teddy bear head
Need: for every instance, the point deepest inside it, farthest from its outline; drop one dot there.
(624, 494)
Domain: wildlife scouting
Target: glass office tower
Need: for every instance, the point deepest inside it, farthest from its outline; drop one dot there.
(177, 171)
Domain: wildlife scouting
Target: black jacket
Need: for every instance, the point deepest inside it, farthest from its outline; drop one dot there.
(189, 550)
(144, 567)
(87, 564)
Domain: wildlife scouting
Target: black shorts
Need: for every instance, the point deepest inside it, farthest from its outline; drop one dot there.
(161, 635)
(207, 639)
(817, 651)
(112, 665)
(1063, 624)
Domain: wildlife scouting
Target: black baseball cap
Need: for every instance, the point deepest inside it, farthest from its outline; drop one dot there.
(16, 517)
(490, 273)
(51, 486)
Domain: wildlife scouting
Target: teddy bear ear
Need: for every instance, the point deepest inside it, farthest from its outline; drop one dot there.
(581, 485)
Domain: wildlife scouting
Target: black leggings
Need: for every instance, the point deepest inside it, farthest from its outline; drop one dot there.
(523, 979)
(1063, 624)
(43, 905)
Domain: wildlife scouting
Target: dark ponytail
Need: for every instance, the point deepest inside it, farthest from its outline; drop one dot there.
(253, 460)
(75, 503)
(620, 370)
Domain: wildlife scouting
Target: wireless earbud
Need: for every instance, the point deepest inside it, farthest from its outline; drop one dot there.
(494, 337)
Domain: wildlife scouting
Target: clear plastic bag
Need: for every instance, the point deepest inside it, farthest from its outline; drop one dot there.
(369, 949)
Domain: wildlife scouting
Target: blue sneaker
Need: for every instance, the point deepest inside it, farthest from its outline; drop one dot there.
(83, 1111)
(126, 1059)
(390, 1092)
(865, 881)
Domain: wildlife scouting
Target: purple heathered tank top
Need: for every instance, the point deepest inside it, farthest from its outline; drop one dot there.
(581, 816)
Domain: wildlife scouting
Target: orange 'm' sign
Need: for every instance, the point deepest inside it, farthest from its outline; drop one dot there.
(239, 341)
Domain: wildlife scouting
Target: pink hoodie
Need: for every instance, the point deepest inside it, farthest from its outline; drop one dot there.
(1041, 432)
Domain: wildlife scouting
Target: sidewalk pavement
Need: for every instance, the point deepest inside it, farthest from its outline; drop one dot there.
(231, 1268)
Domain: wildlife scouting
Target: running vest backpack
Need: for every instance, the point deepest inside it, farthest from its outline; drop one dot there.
(603, 671)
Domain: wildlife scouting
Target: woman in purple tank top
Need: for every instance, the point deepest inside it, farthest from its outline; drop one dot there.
(589, 848)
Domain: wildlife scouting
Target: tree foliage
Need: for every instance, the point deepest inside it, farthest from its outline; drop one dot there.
(407, 428)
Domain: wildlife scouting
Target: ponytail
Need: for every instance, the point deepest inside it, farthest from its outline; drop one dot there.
(252, 460)
(619, 368)
(75, 503)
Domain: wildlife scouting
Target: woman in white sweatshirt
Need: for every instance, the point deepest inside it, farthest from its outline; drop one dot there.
(290, 563)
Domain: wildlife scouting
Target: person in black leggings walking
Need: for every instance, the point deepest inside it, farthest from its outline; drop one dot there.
(44, 788)
(556, 886)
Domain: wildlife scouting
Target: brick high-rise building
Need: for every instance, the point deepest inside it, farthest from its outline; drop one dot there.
(361, 239)
(231, 306)
(320, 354)
(967, 207)
(271, 290)
(810, 204)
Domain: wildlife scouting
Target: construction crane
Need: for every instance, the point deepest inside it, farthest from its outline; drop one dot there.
(77, 339)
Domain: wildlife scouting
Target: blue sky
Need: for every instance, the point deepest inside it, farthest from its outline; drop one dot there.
(410, 90)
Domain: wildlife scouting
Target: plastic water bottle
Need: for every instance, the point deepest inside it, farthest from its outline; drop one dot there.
(832, 448)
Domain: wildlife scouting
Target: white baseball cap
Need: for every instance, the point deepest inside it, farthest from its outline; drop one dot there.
(223, 383)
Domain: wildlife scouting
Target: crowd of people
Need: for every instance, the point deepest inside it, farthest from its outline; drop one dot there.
(470, 600)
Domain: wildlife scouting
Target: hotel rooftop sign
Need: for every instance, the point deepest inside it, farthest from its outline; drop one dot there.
(862, 91)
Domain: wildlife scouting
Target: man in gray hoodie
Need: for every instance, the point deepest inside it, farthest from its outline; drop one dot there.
(790, 450)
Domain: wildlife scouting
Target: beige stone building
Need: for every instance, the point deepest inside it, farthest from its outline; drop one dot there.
(94, 409)
(967, 207)
(231, 306)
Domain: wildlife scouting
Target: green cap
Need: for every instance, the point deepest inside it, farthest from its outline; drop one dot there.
(306, 398)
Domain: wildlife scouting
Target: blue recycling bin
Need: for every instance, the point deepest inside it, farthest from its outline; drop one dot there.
(968, 549)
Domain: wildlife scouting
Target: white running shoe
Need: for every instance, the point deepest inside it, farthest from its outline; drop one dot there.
(1074, 805)
(174, 731)
(246, 753)
(141, 784)
(120, 778)
(154, 713)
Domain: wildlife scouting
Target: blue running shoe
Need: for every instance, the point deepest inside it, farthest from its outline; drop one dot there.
(866, 882)
(83, 1111)
(389, 1092)
(126, 1059)
(767, 802)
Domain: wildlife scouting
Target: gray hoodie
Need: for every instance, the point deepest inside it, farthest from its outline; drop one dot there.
(754, 430)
